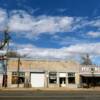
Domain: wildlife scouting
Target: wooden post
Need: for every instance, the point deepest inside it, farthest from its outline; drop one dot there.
(18, 72)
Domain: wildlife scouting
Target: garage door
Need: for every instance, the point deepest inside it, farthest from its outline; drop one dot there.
(37, 79)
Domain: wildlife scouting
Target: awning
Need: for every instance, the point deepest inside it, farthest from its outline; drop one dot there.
(90, 75)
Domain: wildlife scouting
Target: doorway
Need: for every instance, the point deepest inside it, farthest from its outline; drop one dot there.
(91, 81)
(62, 81)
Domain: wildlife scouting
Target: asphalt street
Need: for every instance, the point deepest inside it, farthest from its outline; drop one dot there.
(49, 95)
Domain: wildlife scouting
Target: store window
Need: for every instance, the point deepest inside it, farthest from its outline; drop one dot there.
(52, 77)
(16, 77)
(71, 78)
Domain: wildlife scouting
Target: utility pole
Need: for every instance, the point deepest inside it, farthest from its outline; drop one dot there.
(18, 72)
(92, 72)
(6, 65)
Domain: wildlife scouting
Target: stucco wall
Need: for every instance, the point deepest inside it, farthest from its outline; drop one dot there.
(31, 65)
(28, 66)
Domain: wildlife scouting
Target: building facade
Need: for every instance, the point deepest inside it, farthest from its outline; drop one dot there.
(50, 74)
(42, 73)
(90, 76)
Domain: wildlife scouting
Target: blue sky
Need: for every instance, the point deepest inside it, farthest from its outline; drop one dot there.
(53, 29)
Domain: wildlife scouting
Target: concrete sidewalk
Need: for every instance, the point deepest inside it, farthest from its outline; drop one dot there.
(50, 89)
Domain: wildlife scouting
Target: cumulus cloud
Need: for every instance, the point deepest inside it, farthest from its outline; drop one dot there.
(3, 19)
(90, 48)
(42, 53)
(61, 53)
(24, 24)
(40, 24)
(95, 22)
(20, 21)
(94, 34)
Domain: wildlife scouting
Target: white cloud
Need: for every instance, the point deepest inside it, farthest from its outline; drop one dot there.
(3, 19)
(24, 24)
(52, 24)
(95, 22)
(41, 24)
(20, 22)
(62, 53)
(94, 34)
(91, 48)
(42, 53)
(2, 15)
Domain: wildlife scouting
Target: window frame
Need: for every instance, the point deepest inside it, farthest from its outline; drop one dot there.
(71, 77)
(18, 77)
(52, 77)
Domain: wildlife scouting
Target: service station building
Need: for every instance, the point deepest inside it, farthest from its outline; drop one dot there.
(50, 74)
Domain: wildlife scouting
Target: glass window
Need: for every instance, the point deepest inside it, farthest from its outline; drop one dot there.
(14, 73)
(71, 74)
(16, 77)
(52, 77)
(71, 78)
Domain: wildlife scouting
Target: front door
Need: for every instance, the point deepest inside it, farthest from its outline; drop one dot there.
(62, 81)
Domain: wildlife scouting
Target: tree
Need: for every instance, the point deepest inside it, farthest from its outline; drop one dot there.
(86, 60)
(5, 39)
(12, 54)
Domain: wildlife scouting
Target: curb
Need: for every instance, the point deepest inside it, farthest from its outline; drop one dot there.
(47, 89)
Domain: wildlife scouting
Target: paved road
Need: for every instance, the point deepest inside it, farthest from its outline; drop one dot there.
(49, 95)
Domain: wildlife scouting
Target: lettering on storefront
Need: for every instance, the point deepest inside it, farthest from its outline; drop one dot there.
(88, 69)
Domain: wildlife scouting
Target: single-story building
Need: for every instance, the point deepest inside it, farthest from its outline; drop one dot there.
(27, 72)
(42, 73)
(90, 75)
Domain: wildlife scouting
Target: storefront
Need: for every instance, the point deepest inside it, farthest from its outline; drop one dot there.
(42, 74)
(90, 76)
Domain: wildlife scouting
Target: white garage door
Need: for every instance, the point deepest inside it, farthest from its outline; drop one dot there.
(37, 79)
